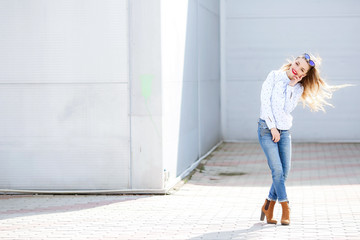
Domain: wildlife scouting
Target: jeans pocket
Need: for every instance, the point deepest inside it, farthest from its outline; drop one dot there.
(263, 129)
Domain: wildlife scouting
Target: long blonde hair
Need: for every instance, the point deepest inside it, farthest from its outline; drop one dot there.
(316, 90)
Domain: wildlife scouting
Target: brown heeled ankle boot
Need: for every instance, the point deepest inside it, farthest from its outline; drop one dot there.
(285, 218)
(268, 210)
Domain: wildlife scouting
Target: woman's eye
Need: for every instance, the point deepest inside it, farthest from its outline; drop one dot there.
(297, 64)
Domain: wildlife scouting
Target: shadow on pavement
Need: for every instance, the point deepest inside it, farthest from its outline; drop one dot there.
(236, 234)
(13, 206)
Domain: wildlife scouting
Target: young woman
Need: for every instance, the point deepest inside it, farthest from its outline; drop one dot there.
(280, 94)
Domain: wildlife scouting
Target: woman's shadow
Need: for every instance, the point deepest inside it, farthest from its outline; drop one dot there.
(237, 234)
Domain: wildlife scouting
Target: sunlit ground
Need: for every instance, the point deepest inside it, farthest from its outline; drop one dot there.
(222, 200)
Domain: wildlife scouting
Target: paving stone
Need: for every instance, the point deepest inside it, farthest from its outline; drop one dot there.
(323, 189)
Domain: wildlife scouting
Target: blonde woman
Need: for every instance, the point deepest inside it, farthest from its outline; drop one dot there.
(280, 94)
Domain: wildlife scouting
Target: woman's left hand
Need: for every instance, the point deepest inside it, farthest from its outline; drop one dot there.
(275, 135)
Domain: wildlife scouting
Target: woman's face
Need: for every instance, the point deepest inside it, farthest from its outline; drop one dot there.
(299, 68)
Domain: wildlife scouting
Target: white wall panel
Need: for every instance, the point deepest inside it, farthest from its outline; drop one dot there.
(188, 147)
(285, 9)
(209, 115)
(243, 121)
(56, 136)
(64, 95)
(180, 85)
(209, 74)
(191, 82)
(63, 41)
(146, 95)
(210, 5)
(260, 35)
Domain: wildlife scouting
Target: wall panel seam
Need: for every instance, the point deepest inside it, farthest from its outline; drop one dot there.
(208, 9)
(129, 91)
(292, 17)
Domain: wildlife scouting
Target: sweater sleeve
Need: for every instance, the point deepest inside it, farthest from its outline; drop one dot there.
(292, 97)
(266, 92)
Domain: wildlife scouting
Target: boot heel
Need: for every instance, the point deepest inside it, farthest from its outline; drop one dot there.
(262, 216)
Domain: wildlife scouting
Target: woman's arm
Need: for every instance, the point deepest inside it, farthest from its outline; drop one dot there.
(292, 97)
(266, 91)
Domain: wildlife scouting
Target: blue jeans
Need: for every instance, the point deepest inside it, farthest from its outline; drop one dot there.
(278, 157)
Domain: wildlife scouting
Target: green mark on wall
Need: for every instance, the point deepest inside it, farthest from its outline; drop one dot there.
(146, 84)
(146, 81)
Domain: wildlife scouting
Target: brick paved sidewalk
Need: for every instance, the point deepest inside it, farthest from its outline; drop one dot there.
(221, 201)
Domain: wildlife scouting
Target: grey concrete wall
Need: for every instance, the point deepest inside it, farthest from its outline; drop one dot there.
(260, 35)
(191, 82)
(105, 95)
(209, 74)
(146, 99)
(64, 95)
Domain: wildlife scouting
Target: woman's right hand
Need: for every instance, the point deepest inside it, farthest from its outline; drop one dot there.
(295, 80)
(275, 135)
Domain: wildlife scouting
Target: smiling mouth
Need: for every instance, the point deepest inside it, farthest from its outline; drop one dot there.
(294, 72)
